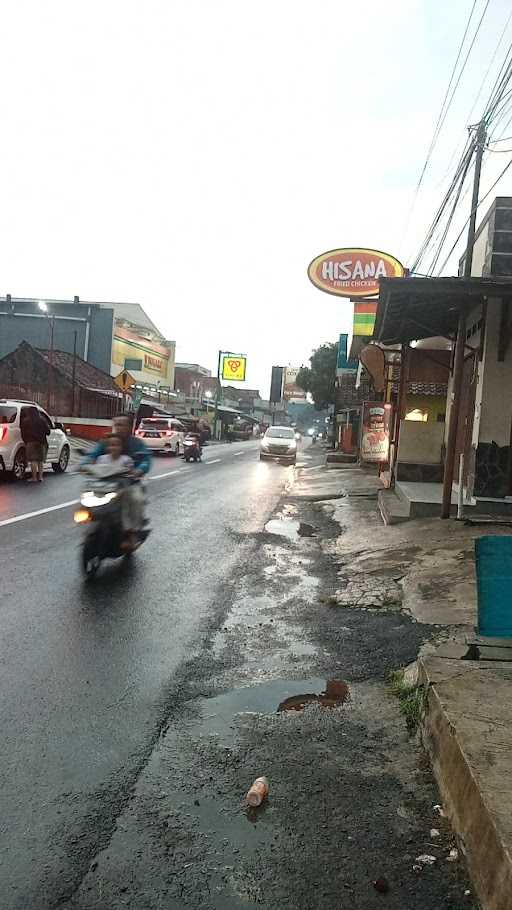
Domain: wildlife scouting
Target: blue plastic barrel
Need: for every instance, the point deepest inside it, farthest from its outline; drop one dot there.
(493, 558)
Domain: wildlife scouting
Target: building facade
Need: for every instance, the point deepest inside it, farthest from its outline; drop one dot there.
(86, 328)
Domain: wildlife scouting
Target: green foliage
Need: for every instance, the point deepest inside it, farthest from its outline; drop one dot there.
(319, 379)
(411, 699)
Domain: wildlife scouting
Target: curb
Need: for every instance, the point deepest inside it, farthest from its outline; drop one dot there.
(488, 857)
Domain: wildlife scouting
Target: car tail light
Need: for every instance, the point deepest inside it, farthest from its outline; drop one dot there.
(3, 432)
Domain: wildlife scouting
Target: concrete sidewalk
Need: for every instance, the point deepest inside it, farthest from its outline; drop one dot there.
(426, 568)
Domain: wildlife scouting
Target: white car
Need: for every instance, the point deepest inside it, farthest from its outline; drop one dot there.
(279, 443)
(162, 434)
(13, 461)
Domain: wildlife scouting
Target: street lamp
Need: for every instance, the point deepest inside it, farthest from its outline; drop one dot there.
(43, 306)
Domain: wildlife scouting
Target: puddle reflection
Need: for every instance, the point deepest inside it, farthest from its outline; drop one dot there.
(336, 693)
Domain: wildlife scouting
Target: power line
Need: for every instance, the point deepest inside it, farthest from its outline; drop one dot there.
(477, 98)
(448, 225)
(461, 168)
(438, 125)
(464, 226)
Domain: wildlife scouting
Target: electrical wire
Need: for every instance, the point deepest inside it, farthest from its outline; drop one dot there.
(448, 225)
(479, 203)
(480, 90)
(461, 169)
(438, 125)
(496, 109)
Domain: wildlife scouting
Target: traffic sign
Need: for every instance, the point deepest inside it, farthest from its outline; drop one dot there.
(125, 381)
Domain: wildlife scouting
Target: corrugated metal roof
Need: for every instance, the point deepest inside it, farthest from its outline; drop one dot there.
(413, 308)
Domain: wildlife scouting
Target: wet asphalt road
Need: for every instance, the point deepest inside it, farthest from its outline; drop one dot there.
(85, 669)
(136, 712)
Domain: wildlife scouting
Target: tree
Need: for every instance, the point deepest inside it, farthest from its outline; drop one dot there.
(319, 379)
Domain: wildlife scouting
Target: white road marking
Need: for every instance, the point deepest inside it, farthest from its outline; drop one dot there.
(238, 453)
(213, 461)
(62, 505)
(166, 474)
(72, 502)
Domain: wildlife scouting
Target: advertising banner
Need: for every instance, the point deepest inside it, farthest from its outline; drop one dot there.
(233, 367)
(291, 389)
(375, 432)
(145, 356)
(353, 271)
(343, 363)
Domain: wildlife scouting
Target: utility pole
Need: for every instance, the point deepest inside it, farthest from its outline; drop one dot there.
(460, 345)
(50, 364)
(217, 397)
(73, 376)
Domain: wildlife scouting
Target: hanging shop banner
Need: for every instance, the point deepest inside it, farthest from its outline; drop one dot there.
(343, 364)
(353, 271)
(233, 367)
(365, 312)
(375, 432)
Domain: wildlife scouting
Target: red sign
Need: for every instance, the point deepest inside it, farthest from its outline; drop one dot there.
(353, 271)
(375, 432)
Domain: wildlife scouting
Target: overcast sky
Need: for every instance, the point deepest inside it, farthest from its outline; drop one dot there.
(195, 155)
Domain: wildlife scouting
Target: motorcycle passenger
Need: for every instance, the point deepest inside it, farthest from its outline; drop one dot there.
(132, 446)
(195, 436)
(132, 499)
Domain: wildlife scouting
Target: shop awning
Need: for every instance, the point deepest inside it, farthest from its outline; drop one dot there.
(414, 308)
(223, 409)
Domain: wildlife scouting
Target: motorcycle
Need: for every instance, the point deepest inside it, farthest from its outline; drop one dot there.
(100, 514)
(192, 448)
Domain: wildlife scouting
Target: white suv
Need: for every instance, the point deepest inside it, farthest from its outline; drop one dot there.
(162, 434)
(13, 460)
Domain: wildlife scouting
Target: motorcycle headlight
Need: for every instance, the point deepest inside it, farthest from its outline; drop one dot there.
(90, 500)
(81, 516)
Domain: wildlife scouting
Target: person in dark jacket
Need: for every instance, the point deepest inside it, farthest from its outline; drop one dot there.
(35, 432)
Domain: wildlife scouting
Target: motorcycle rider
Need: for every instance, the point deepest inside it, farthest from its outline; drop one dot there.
(132, 446)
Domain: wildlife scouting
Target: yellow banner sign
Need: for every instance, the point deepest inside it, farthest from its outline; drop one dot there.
(233, 367)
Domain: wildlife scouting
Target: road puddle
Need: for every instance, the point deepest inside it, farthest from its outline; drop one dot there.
(219, 714)
(336, 693)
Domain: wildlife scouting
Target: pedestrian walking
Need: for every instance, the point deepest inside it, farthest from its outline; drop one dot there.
(34, 432)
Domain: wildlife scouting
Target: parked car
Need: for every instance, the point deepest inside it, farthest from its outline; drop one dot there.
(13, 461)
(279, 443)
(162, 434)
